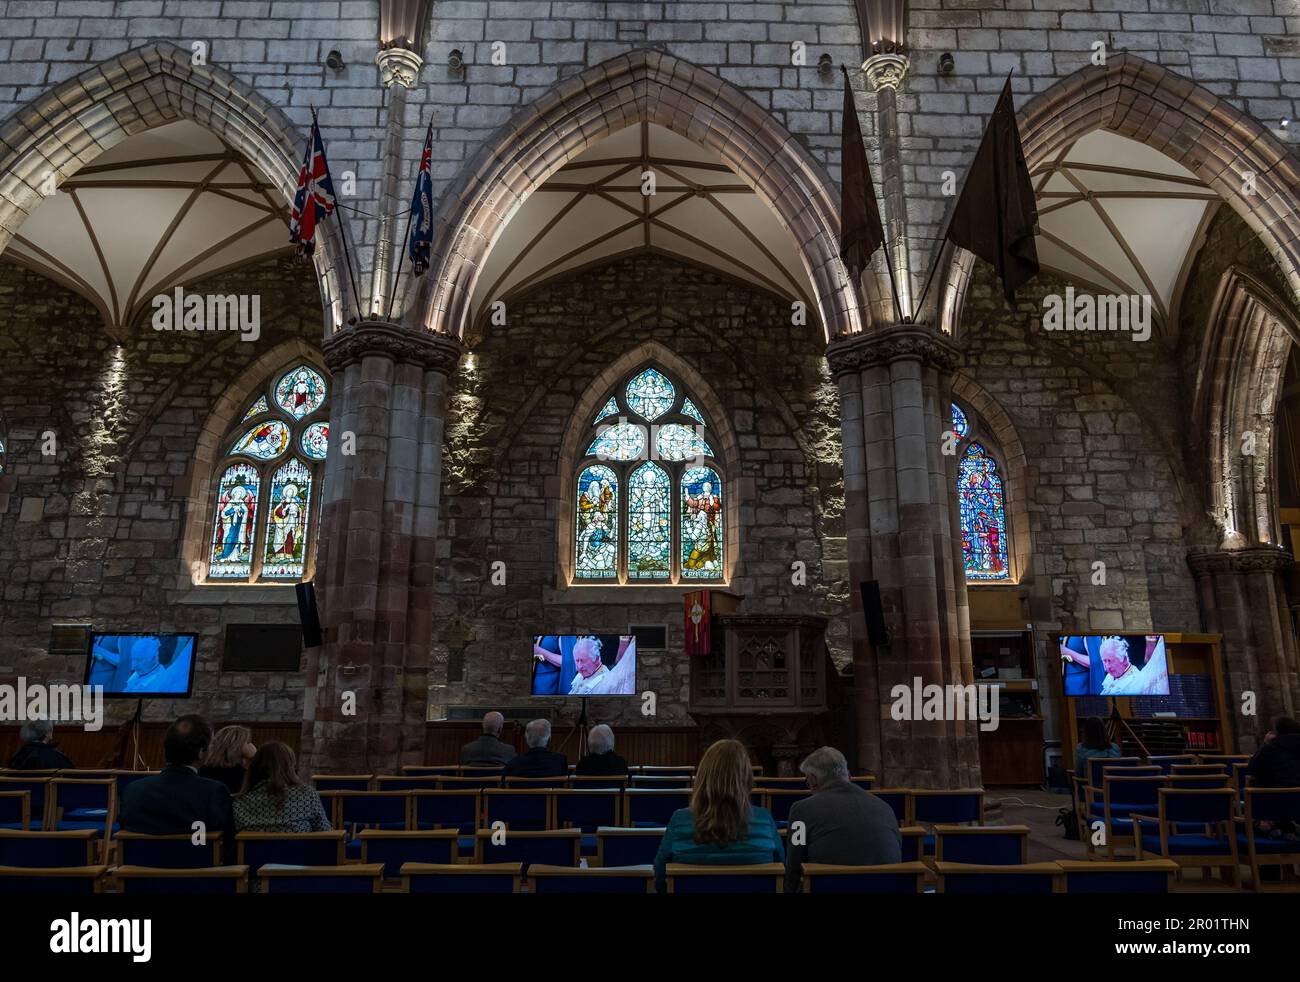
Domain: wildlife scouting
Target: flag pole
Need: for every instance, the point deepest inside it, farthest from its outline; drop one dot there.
(406, 234)
(343, 234)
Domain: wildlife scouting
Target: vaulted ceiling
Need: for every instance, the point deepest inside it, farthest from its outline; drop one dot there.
(165, 207)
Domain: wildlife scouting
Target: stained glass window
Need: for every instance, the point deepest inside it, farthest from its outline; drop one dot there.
(648, 477)
(286, 534)
(2, 456)
(649, 524)
(315, 440)
(960, 425)
(650, 394)
(597, 523)
(235, 526)
(262, 521)
(701, 524)
(301, 392)
(983, 518)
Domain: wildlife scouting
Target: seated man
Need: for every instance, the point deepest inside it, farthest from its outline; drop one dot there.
(170, 802)
(841, 824)
(538, 761)
(38, 752)
(488, 749)
(601, 761)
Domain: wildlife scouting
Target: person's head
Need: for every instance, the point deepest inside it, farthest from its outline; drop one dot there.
(144, 656)
(1094, 734)
(1284, 725)
(824, 766)
(38, 731)
(601, 739)
(232, 746)
(1114, 656)
(275, 765)
(586, 656)
(492, 724)
(720, 800)
(537, 733)
(187, 741)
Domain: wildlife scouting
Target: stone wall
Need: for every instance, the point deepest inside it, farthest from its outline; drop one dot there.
(93, 534)
(507, 417)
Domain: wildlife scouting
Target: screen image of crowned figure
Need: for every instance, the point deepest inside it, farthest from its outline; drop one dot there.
(584, 665)
(141, 664)
(1114, 665)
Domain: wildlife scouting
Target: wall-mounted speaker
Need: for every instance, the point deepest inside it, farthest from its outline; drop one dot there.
(873, 613)
(309, 616)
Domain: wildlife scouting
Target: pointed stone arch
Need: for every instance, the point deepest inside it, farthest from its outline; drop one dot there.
(643, 85)
(71, 124)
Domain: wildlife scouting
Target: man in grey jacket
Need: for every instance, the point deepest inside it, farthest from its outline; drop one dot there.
(488, 749)
(840, 824)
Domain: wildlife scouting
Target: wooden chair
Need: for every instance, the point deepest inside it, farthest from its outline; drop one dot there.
(627, 847)
(52, 879)
(535, 783)
(518, 808)
(210, 879)
(652, 807)
(1213, 845)
(1197, 770)
(759, 878)
(558, 847)
(394, 849)
(254, 849)
(168, 851)
(586, 809)
(893, 878)
(665, 770)
(613, 782)
(37, 788)
(16, 810)
(913, 837)
(867, 782)
(404, 782)
(1123, 796)
(81, 803)
(357, 878)
(357, 810)
(997, 845)
(73, 848)
(436, 770)
(342, 782)
(781, 783)
(1026, 878)
(469, 783)
(779, 801)
(461, 878)
(662, 782)
(899, 800)
(1167, 761)
(1268, 805)
(613, 879)
(1128, 876)
(460, 809)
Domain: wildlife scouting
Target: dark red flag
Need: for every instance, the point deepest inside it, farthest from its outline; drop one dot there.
(861, 231)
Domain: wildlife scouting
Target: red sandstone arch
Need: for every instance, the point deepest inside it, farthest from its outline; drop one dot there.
(1168, 112)
(71, 124)
(580, 111)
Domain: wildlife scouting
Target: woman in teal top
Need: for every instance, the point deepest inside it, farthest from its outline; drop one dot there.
(721, 827)
(1095, 744)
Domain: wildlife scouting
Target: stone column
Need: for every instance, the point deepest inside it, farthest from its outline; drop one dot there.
(399, 70)
(900, 519)
(1242, 594)
(885, 74)
(367, 688)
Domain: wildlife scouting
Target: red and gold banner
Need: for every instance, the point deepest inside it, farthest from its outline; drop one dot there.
(699, 637)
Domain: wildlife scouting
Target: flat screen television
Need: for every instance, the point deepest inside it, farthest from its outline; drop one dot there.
(136, 665)
(1114, 664)
(583, 665)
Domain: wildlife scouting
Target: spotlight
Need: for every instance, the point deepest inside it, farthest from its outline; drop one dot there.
(456, 62)
(1284, 122)
(334, 62)
(946, 63)
(825, 66)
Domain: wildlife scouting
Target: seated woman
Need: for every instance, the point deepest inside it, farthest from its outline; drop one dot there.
(721, 827)
(228, 756)
(1095, 744)
(274, 798)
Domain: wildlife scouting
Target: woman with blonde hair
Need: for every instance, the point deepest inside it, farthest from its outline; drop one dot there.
(228, 756)
(274, 798)
(721, 827)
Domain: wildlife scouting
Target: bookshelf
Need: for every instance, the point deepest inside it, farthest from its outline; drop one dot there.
(1003, 656)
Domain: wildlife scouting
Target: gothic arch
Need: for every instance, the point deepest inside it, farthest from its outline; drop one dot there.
(643, 85)
(71, 124)
(1170, 113)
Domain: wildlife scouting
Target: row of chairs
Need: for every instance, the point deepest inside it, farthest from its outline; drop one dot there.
(494, 779)
(1151, 877)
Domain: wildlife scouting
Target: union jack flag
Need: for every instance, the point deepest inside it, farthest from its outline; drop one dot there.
(421, 238)
(314, 201)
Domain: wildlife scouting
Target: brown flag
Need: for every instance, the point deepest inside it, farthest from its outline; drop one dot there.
(861, 232)
(996, 214)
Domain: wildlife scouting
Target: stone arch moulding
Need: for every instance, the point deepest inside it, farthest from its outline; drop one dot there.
(1017, 476)
(580, 111)
(1238, 388)
(1170, 113)
(71, 124)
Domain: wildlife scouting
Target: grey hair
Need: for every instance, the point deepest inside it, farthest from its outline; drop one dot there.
(492, 723)
(36, 730)
(538, 733)
(825, 764)
(601, 739)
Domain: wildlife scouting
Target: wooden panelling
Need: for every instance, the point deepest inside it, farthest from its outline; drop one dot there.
(87, 749)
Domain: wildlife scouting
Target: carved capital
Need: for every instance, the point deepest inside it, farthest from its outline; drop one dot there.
(434, 352)
(885, 71)
(1257, 559)
(880, 347)
(399, 65)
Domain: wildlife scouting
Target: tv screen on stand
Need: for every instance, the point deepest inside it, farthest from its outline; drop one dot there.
(1114, 665)
(141, 666)
(583, 665)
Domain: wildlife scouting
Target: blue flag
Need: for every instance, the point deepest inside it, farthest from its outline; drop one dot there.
(420, 240)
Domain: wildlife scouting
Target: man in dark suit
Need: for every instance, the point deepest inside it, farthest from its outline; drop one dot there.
(601, 761)
(840, 824)
(538, 761)
(173, 800)
(488, 749)
(38, 752)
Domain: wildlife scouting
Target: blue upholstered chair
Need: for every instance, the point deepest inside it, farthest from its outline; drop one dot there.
(289, 848)
(782, 783)
(212, 879)
(1123, 795)
(393, 849)
(80, 803)
(469, 783)
(125, 779)
(342, 782)
(357, 810)
(368, 878)
(16, 810)
(867, 782)
(913, 843)
(526, 810)
(1166, 762)
(627, 847)
(168, 851)
(461, 878)
(955, 807)
(779, 801)
(37, 789)
(535, 783)
(1268, 805)
(588, 811)
(1129, 876)
(437, 770)
(759, 878)
(406, 782)
(554, 848)
(895, 878)
(998, 845)
(76, 847)
(662, 782)
(899, 800)
(614, 879)
(75, 879)
(649, 807)
(1213, 843)
(611, 782)
(1026, 878)
(459, 810)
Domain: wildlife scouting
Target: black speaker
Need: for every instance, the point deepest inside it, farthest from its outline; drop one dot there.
(873, 613)
(309, 616)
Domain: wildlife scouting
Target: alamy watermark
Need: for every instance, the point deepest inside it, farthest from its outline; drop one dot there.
(78, 704)
(919, 701)
(1098, 312)
(180, 311)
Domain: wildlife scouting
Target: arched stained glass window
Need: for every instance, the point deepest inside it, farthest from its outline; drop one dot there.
(983, 515)
(266, 509)
(645, 473)
(960, 426)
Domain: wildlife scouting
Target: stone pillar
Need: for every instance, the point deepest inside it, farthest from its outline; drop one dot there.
(900, 518)
(1242, 594)
(399, 70)
(367, 688)
(885, 74)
